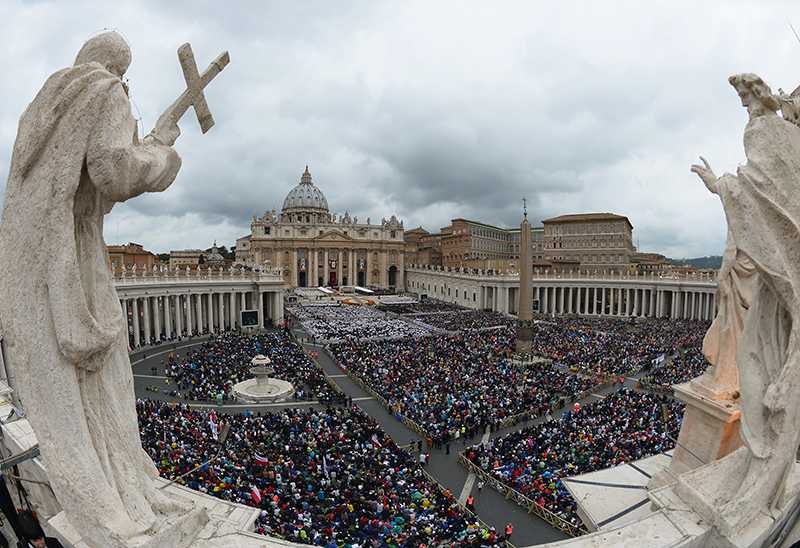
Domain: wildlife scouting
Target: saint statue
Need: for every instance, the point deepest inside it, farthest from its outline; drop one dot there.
(761, 275)
(76, 154)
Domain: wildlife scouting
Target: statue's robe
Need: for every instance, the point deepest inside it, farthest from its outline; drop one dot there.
(76, 154)
(735, 284)
(762, 205)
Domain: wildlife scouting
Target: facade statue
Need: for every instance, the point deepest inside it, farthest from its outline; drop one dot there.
(77, 154)
(761, 276)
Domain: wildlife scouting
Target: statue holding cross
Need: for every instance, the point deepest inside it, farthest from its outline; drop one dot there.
(76, 155)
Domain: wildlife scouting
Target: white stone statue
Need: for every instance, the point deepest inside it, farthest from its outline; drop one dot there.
(75, 156)
(761, 275)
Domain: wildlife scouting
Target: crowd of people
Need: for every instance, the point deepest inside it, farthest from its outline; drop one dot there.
(685, 365)
(465, 320)
(425, 306)
(622, 427)
(328, 478)
(612, 345)
(333, 323)
(457, 385)
(210, 371)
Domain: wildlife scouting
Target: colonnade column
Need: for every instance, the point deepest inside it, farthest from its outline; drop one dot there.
(603, 301)
(232, 309)
(179, 314)
(136, 336)
(157, 318)
(200, 320)
(221, 310)
(147, 330)
(189, 314)
(260, 295)
(124, 304)
(167, 316)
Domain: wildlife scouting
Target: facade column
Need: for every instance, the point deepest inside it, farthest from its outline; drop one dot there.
(339, 269)
(352, 278)
(295, 269)
(326, 269)
(136, 336)
(312, 267)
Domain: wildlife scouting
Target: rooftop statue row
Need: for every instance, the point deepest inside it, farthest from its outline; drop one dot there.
(273, 217)
(164, 271)
(709, 276)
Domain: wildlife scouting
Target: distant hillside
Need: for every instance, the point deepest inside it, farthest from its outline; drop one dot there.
(712, 261)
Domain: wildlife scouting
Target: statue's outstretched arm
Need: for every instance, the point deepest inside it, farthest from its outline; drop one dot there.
(121, 168)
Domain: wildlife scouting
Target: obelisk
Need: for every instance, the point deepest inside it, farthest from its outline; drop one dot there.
(525, 304)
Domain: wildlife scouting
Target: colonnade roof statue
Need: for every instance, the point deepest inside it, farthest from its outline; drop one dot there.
(759, 319)
(77, 154)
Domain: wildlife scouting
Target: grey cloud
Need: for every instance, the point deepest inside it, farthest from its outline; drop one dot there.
(429, 110)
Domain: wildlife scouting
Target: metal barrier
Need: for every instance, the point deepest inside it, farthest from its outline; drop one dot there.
(528, 504)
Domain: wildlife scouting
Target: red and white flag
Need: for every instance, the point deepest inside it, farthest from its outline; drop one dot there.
(259, 459)
(255, 494)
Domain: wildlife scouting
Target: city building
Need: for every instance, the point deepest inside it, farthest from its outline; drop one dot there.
(473, 244)
(181, 258)
(422, 247)
(128, 255)
(315, 247)
(599, 241)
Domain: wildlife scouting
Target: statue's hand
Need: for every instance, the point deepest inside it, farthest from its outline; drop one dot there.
(166, 131)
(706, 174)
(775, 399)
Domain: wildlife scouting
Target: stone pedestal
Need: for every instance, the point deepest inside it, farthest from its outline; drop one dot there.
(710, 431)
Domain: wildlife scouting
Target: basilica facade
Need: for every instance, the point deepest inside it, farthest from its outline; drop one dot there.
(315, 247)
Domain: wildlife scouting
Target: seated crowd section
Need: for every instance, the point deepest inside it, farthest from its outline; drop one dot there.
(211, 370)
(623, 427)
(324, 477)
(333, 323)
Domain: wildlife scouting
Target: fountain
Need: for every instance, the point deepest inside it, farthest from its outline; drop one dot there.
(262, 388)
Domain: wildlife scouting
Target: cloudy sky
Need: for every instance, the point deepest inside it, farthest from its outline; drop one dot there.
(428, 110)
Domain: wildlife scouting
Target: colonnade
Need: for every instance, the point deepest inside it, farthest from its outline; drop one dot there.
(692, 298)
(681, 303)
(152, 318)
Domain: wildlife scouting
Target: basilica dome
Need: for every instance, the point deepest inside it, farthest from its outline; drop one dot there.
(305, 196)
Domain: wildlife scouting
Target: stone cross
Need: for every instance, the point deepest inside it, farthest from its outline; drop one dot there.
(195, 84)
